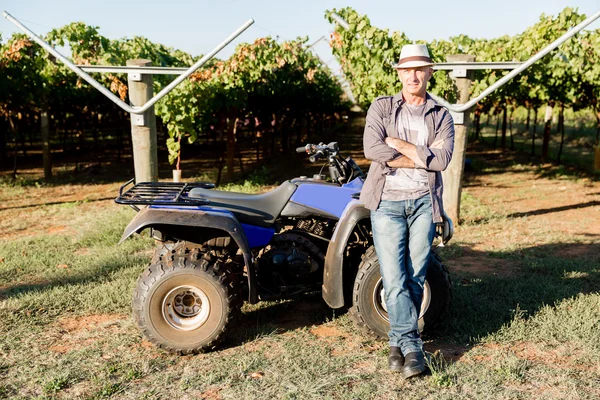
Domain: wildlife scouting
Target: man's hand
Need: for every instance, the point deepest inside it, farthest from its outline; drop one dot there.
(390, 141)
(405, 148)
(401, 162)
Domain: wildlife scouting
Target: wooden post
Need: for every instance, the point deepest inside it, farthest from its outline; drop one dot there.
(561, 129)
(533, 131)
(452, 176)
(143, 137)
(231, 131)
(503, 137)
(3, 144)
(597, 144)
(46, 154)
(547, 125)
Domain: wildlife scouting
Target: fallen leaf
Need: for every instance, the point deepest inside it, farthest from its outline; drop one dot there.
(257, 375)
(62, 266)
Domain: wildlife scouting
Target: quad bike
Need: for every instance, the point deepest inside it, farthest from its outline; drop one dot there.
(217, 249)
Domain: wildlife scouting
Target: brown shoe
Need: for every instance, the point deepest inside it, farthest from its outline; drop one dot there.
(395, 359)
(413, 365)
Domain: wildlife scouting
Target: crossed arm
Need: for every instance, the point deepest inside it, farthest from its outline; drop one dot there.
(408, 151)
(411, 157)
(397, 153)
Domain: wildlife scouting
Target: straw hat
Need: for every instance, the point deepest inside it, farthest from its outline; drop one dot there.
(413, 56)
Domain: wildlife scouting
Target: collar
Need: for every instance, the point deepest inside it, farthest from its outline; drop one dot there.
(431, 103)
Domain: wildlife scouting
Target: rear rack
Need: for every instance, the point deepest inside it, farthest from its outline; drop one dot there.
(161, 193)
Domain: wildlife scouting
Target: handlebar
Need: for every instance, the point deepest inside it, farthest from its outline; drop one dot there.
(320, 150)
(338, 169)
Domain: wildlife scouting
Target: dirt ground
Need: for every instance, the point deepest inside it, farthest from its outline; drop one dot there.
(535, 199)
(543, 207)
(511, 205)
(531, 196)
(20, 211)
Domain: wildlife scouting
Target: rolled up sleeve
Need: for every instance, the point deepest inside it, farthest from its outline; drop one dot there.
(374, 136)
(437, 156)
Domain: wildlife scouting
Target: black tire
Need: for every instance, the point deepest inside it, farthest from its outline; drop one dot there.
(186, 300)
(367, 309)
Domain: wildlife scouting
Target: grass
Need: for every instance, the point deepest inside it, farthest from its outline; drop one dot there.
(474, 212)
(524, 327)
(439, 369)
(577, 157)
(534, 285)
(253, 183)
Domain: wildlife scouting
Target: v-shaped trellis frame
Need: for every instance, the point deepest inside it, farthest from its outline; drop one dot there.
(133, 110)
(459, 68)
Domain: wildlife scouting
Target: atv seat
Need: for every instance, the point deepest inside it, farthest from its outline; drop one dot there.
(253, 209)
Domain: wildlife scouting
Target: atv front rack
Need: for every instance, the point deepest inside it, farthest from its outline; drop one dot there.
(161, 193)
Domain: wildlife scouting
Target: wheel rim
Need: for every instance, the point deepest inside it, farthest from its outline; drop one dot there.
(186, 308)
(381, 308)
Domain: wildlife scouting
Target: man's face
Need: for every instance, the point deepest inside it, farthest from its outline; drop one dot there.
(414, 80)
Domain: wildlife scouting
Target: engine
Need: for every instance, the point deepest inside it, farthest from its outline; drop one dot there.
(315, 227)
(291, 264)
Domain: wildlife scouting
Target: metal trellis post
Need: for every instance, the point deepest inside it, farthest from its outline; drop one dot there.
(143, 119)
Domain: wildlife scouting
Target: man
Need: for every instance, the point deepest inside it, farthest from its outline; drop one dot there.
(409, 138)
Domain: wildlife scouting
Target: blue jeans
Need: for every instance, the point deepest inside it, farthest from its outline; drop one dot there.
(403, 232)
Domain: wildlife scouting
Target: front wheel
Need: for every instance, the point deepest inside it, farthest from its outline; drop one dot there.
(185, 301)
(368, 305)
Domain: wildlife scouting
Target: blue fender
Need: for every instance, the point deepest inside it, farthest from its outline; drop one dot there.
(333, 273)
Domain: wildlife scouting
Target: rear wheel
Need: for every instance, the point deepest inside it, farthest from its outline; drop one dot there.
(186, 300)
(368, 306)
